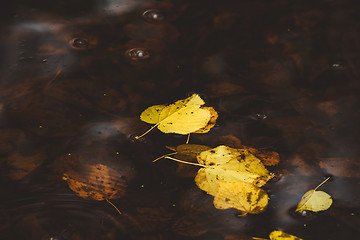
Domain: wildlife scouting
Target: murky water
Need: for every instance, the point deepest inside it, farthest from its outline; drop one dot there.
(75, 75)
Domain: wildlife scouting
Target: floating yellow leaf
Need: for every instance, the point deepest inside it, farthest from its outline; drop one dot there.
(315, 200)
(241, 195)
(183, 117)
(229, 165)
(280, 235)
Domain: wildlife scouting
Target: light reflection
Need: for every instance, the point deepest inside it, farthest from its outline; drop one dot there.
(116, 7)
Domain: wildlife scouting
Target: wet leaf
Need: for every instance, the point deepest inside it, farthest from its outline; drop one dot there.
(268, 158)
(211, 123)
(315, 200)
(99, 183)
(232, 176)
(243, 196)
(21, 166)
(229, 165)
(183, 117)
(280, 235)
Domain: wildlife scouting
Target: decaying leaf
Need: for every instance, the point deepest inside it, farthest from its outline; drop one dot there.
(243, 196)
(99, 183)
(315, 200)
(21, 165)
(280, 235)
(229, 165)
(232, 176)
(268, 158)
(191, 150)
(212, 121)
(183, 117)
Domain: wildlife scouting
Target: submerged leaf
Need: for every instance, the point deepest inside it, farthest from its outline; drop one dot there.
(183, 117)
(100, 183)
(241, 195)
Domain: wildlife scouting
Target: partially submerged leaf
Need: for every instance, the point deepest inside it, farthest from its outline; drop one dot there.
(192, 150)
(280, 235)
(241, 195)
(315, 200)
(183, 117)
(268, 158)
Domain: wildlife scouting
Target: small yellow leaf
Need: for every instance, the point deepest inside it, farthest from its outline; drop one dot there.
(182, 117)
(315, 200)
(241, 195)
(280, 235)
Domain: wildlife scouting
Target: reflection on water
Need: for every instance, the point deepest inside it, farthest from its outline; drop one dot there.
(75, 75)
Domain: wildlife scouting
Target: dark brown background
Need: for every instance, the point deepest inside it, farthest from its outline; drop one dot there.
(283, 76)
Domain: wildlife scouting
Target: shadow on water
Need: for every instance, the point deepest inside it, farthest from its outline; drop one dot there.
(75, 75)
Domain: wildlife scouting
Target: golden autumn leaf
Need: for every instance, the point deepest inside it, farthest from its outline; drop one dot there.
(280, 235)
(232, 176)
(315, 200)
(99, 183)
(183, 117)
(243, 196)
(229, 165)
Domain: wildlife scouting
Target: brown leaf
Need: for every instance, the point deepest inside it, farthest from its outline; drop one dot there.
(99, 183)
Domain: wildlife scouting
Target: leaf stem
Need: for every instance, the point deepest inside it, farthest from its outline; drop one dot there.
(190, 163)
(137, 137)
(169, 154)
(322, 183)
(188, 139)
(113, 206)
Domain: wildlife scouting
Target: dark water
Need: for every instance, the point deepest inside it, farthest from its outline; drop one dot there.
(75, 75)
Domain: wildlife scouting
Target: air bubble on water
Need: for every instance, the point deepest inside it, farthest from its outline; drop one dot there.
(138, 54)
(258, 116)
(133, 138)
(337, 65)
(79, 43)
(153, 15)
(302, 215)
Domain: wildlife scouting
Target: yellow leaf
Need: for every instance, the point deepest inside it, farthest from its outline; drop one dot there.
(280, 235)
(182, 117)
(229, 165)
(241, 195)
(315, 200)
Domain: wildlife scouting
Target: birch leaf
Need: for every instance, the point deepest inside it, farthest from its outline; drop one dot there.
(183, 117)
(315, 200)
(229, 165)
